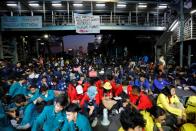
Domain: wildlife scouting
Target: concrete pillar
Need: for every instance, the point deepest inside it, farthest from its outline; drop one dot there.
(53, 18)
(136, 15)
(165, 19)
(44, 10)
(129, 17)
(37, 48)
(1, 47)
(92, 7)
(181, 31)
(155, 53)
(32, 13)
(157, 16)
(189, 55)
(165, 49)
(111, 17)
(191, 26)
(15, 53)
(147, 19)
(11, 13)
(67, 12)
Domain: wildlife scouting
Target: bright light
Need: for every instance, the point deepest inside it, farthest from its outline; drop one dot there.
(56, 4)
(142, 6)
(46, 36)
(100, 5)
(11, 5)
(142, 3)
(174, 25)
(42, 43)
(121, 5)
(193, 11)
(99, 37)
(162, 6)
(34, 4)
(78, 5)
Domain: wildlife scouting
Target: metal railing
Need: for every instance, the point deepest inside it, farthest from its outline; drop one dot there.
(52, 20)
(189, 30)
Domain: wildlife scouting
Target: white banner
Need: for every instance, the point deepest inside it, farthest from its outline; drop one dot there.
(87, 23)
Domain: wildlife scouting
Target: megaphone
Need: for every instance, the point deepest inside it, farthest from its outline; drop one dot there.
(105, 121)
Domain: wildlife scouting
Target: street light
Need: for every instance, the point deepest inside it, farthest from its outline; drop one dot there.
(46, 36)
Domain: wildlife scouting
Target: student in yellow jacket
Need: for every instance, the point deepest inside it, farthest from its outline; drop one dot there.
(164, 103)
(154, 117)
(174, 100)
(188, 127)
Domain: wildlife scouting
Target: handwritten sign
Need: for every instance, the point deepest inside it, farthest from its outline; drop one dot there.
(86, 23)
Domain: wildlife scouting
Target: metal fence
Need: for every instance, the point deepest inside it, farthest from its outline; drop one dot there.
(136, 20)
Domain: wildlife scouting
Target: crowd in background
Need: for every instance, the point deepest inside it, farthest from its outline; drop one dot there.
(61, 94)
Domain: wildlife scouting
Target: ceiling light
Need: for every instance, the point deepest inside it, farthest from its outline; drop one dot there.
(142, 6)
(34, 4)
(100, 5)
(11, 4)
(142, 3)
(121, 5)
(162, 6)
(56, 4)
(78, 5)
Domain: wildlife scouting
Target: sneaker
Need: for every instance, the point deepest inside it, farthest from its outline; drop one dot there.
(94, 123)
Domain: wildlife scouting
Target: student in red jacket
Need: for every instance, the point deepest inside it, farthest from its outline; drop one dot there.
(71, 91)
(142, 102)
(99, 88)
(132, 98)
(118, 90)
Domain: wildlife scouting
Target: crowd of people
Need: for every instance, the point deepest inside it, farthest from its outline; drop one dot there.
(53, 94)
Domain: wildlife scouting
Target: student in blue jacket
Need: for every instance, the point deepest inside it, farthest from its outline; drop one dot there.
(143, 83)
(158, 84)
(52, 117)
(45, 95)
(18, 87)
(33, 93)
(77, 121)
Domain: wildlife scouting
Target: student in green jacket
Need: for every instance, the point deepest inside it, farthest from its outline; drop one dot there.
(52, 117)
(77, 121)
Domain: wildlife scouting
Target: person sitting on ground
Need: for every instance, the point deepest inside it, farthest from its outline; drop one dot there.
(131, 120)
(52, 117)
(90, 104)
(155, 117)
(173, 112)
(45, 95)
(143, 83)
(107, 100)
(18, 87)
(174, 100)
(77, 121)
(158, 84)
(139, 100)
